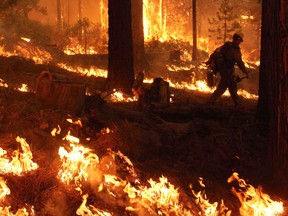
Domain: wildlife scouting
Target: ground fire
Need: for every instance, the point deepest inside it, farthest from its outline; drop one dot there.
(70, 147)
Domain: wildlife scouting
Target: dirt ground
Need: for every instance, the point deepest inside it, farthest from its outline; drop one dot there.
(182, 142)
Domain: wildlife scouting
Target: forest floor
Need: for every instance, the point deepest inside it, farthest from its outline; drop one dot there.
(183, 142)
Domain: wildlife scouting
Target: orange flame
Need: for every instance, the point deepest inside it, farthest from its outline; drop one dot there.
(4, 190)
(3, 84)
(23, 88)
(254, 201)
(75, 164)
(56, 131)
(90, 210)
(21, 161)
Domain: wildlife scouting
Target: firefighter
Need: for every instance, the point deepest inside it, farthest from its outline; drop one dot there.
(225, 67)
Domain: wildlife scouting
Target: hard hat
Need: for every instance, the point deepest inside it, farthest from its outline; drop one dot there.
(238, 36)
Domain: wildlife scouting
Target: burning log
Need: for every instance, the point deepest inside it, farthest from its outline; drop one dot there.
(65, 95)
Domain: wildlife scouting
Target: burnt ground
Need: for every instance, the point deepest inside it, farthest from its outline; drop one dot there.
(183, 142)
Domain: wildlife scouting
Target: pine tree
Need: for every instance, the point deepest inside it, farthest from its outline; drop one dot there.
(225, 23)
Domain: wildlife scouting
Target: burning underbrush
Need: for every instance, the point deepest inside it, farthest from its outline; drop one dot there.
(114, 160)
(77, 180)
(142, 165)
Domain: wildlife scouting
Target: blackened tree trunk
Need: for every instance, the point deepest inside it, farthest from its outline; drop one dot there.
(273, 89)
(120, 46)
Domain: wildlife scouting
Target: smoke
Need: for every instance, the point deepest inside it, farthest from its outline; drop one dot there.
(56, 204)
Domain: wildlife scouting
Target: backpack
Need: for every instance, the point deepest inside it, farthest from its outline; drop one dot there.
(218, 57)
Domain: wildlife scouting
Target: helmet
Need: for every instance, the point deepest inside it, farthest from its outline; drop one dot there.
(238, 36)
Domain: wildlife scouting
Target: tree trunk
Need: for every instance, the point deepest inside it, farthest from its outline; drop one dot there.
(80, 18)
(194, 54)
(266, 66)
(279, 123)
(122, 40)
(59, 16)
(273, 89)
(138, 35)
(68, 12)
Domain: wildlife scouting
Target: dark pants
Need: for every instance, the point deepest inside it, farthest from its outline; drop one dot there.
(227, 81)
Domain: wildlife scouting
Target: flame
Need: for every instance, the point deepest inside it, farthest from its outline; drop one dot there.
(21, 161)
(20, 212)
(3, 84)
(77, 122)
(26, 39)
(254, 201)
(27, 51)
(23, 88)
(162, 196)
(92, 71)
(91, 210)
(105, 131)
(56, 131)
(75, 48)
(75, 164)
(206, 207)
(119, 96)
(4, 190)
(246, 17)
(71, 139)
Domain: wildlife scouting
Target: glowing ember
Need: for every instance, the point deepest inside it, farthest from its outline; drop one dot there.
(105, 131)
(119, 96)
(24, 88)
(77, 122)
(25, 39)
(21, 161)
(3, 84)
